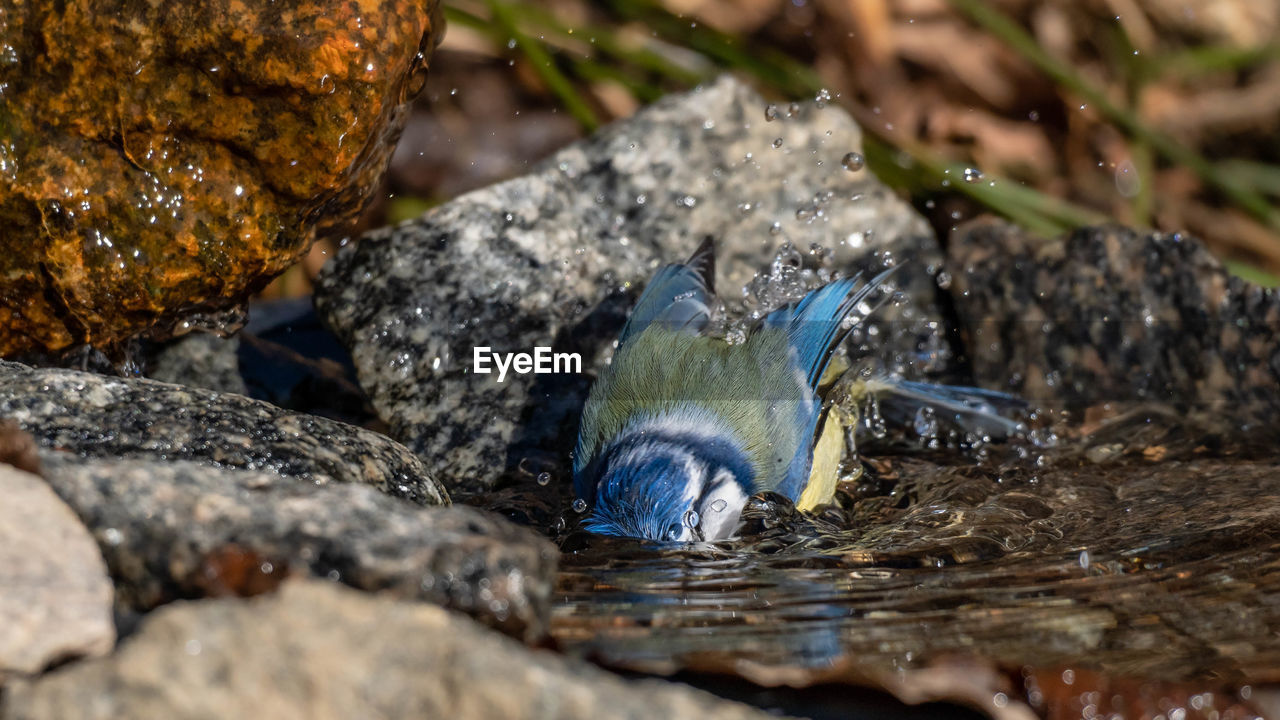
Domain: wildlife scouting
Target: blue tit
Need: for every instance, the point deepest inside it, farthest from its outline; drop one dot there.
(683, 427)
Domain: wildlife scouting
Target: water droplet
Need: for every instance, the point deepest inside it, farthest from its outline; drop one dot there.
(853, 161)
(926, 422)
(719, 505)
(943, 279)
(1084, 559)
(691, 518)
(972, 175)
(579, 506)
(1034, 116)
(793, 109)
(544, 478)
(777, 142)
(775, 229)
(1128, 183)
(822, 98)
(770, 112)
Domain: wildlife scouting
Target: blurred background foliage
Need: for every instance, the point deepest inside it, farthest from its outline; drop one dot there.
(1153, 113)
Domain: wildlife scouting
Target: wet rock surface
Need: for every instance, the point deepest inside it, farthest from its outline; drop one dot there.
(101, 417)
(181, 530)
(55, 597)
(160, 163)
(555, 259)
(1110, 314)
(315, 650)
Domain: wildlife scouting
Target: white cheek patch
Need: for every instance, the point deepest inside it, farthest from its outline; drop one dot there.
(695, 474)
(719, 524)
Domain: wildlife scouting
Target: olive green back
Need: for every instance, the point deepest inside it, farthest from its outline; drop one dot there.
(749, 389)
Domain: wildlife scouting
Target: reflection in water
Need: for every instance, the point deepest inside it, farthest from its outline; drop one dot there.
(1111, 561)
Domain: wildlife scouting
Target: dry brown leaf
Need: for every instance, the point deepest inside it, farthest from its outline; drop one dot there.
(1240, 235)
(1135, 23)
(460, 38)
(1189, 114)
(1176, 188)
(922, 9)
(978, 68)
(616, 99)
(1245, 23)
(1010, 147)
(731, 16)
(872, 29)
(1155, 453)
(1053, 30)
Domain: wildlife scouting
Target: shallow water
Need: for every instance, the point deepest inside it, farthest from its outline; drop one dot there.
(1121, 559)
(1153, 558)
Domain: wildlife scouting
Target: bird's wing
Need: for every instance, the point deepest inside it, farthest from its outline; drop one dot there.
(677, 297)
(814, 325)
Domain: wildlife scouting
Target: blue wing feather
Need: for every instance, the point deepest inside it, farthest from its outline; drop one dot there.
(813, 325)
(678, 296)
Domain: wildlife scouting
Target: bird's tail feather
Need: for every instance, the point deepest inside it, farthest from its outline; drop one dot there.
(974, 410)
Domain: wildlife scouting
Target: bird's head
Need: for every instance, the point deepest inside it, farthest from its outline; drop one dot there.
(670, 490)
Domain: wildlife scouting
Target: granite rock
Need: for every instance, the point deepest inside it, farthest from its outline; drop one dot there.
(96, 416)
(161, 162)
(318, 651)
(180, 530)
(55, 597)
(1112, 314)
(200, 360)
(555, 259)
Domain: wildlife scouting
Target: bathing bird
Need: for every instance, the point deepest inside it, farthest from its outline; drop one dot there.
(683, 427)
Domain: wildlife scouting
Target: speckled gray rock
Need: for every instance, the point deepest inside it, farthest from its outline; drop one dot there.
(55, 597)
(1112, 314)
(199, 360)
(179, 529)
(555, 258)
(321, 652)
(97, 416)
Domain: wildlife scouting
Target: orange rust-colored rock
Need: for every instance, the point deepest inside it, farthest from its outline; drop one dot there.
(159, 161)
